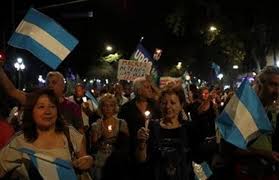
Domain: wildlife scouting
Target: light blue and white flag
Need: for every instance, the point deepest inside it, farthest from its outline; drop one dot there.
(202, 171)
(93, 99)
(44, 38)
(49, 167)
(216, 68)
(243, 118)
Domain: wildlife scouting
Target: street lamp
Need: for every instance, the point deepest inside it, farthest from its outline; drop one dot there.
(109, 48)
(212, 28)
(19, 65)
(179, 65)
(41, 80)
(235, 66)
(220, 76)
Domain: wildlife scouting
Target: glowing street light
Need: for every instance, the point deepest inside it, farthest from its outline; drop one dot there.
(277, 63)
(212, 28)
(41, 80)
(19, 65)
(179, 65)
(235, 66)
(220, 76)
(109, 48)
(19, 60)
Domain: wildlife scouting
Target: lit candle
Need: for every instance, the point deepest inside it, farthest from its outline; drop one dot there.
(147, 115)
(84, 99)
(109, 128)
(189, 116)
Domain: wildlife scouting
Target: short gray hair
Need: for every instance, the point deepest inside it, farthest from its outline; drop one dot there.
(137, 84)
(267, 71)
(55, 73)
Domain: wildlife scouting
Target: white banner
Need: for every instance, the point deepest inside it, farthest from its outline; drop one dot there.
(164, 81)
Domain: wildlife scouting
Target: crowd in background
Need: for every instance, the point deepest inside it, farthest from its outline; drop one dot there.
(118, 140)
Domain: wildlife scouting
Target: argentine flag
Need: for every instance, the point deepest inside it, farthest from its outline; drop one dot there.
(93, 99)
(202, 171)
(44, 38)
(243, 118)
(49, 167)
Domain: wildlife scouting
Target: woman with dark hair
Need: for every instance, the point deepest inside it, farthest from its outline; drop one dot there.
(44, 136)
(167, 146)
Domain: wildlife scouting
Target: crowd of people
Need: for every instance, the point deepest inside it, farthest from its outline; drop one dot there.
(120, 140)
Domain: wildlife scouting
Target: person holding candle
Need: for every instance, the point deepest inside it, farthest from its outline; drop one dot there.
(167, 146)
(106, 132)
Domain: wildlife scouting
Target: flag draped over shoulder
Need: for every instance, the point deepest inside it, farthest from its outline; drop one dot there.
(49, 167)
(44, 38)
(243, 118)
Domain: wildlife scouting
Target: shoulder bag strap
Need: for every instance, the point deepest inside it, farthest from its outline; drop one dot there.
(70, 144)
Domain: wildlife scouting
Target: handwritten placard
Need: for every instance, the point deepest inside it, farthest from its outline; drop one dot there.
(130, 70)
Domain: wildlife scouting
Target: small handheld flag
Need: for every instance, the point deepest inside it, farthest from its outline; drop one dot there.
(243, 118)
(44, 38)
(49, 167)
(216, 68)
(202, 171)
(93, 99)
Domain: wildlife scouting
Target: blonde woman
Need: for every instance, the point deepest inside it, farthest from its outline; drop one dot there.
(106, 132)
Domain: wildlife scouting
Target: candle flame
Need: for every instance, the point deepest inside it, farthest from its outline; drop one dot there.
(147, 113)
(110, 127)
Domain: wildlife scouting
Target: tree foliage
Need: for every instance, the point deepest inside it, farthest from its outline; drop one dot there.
(112, 57)
(245, 36)
(102, 69)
